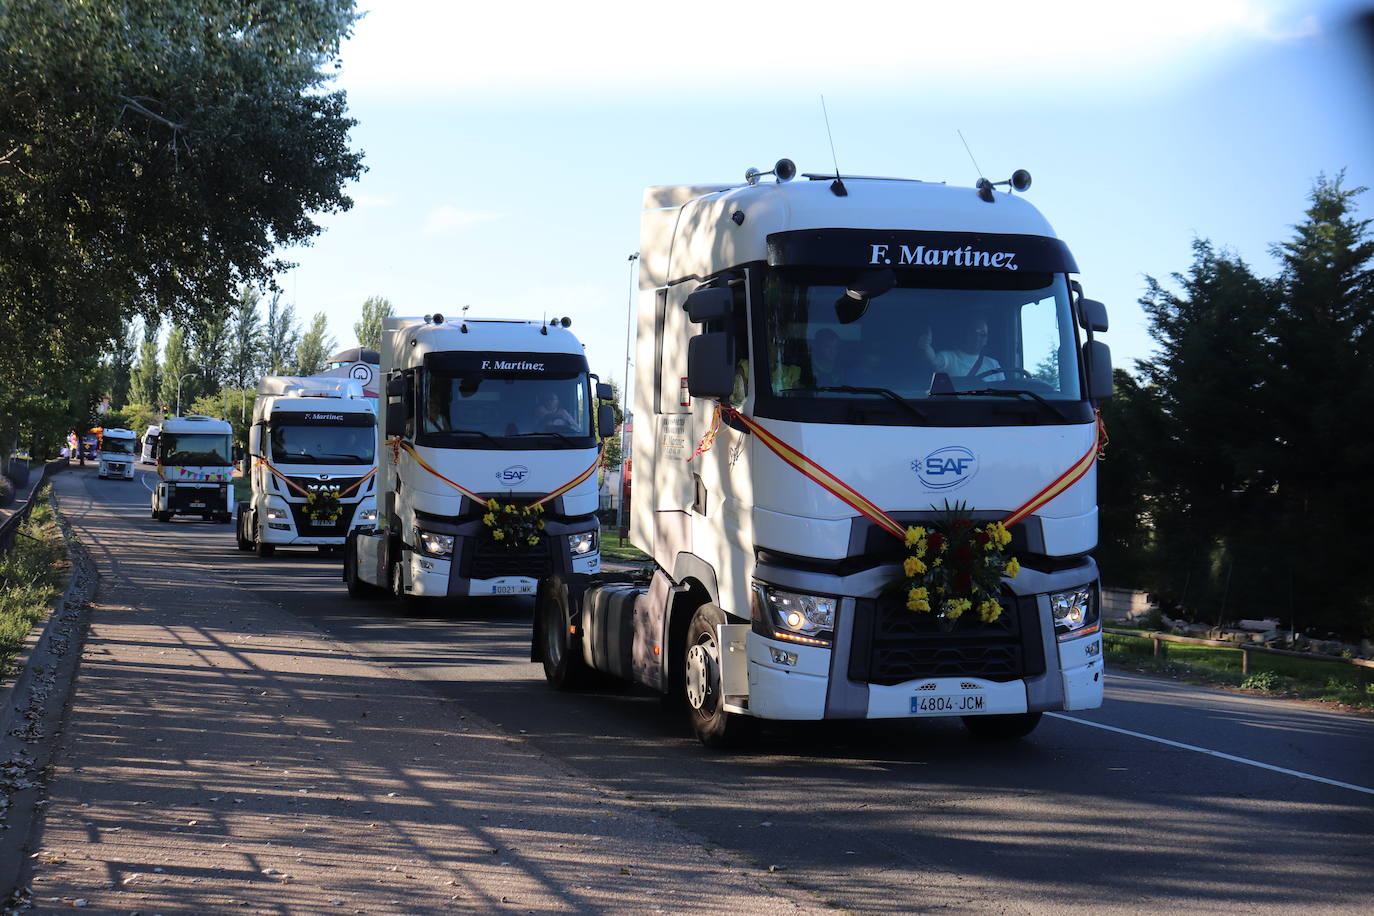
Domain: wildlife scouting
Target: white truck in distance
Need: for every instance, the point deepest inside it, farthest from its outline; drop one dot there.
(889, 357)
(148, 449)
(313, 449)
(116, 453)
(475, 410)
(195, 468)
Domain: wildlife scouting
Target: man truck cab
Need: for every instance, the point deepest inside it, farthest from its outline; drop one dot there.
(116, 451)
(831, 372)
(195, 468)
(313, 446)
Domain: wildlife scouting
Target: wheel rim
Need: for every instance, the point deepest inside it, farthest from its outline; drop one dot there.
(553, 632)
(702, 675)
(397, 583)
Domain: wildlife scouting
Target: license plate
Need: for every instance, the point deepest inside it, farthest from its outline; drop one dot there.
(510, 585)
(320, 521)
(947, 705)
(197, 505)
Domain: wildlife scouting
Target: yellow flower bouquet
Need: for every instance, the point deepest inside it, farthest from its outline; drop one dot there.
(956, 567)
(512, 526)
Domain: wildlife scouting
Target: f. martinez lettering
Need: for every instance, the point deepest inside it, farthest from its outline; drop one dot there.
(508, 365)
(921, 256)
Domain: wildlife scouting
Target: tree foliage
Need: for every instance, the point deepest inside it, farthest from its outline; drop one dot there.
(1245, 443)
(313, 351)
(154, 154)
(369, 326)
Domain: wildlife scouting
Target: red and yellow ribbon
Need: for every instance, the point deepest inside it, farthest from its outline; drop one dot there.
(399, 445)
(291, 484)
(866, 507)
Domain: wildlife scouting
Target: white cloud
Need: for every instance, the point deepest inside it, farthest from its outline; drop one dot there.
(448, 218)
(885, 46)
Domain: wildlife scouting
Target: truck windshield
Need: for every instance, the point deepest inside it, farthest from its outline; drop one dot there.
(1003, 336)
(205, 450)
(117, 446)
(543, 411)
(318, 443)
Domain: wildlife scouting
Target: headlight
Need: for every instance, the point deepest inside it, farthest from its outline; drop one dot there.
(367, 516)
(274, 512)
(1073, 611)
(436, 545)
(807, 619)
(582, 544)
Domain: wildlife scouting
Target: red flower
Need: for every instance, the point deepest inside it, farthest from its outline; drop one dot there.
(962, 555)
(981, 537)
(959, 524)
(935, 541)
(963, 582)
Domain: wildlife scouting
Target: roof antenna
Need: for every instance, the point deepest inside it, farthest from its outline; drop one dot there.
(837, 186)
(983, 185)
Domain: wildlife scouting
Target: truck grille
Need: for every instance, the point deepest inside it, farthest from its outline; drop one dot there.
(892, 644)
(490, 560)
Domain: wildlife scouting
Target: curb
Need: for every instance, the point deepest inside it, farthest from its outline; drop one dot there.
(33, 706)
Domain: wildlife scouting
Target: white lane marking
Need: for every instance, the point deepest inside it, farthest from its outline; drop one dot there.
(144, 478)
(1202, 750)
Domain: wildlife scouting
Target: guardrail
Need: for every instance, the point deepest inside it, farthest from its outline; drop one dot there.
(9, 529)
(1245, 649)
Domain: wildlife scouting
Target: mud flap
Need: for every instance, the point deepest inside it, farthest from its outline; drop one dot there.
(733, 640)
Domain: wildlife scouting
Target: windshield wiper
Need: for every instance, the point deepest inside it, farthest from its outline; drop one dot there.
(561, 437)
(884, 392)
(1003, 392)
(466, 432)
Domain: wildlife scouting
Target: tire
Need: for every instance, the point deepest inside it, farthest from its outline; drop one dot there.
(1002, 728)
(163, 516)
(397, 589)
(264, 549)
(357, 587)
(560, 651)
(701, 680)
(245, 543)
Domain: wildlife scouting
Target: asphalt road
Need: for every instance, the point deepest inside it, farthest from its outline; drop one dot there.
(1168, 798)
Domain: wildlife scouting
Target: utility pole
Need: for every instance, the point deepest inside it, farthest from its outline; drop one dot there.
(625, 403)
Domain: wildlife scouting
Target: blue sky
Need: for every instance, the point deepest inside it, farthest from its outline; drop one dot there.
(507, 154)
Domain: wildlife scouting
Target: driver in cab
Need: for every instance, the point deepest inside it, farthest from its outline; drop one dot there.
(548, 415)
(965, 359)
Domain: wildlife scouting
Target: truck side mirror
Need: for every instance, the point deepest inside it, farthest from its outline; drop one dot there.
(255, 440)
(395, 420)
(1092, 315)
(604, 392)
(1098, 358)
(605, 421)
(711, 365)
(396, 386)
(709, 303)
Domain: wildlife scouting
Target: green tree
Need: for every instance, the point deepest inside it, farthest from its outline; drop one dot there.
(1209, 480)
(246, 341)
(313, 351)
(209, 345)
(1320, 381)
(145, 383)
(282, 335)
(178, 377)
(120, 365)
(613, 457)
(369, 327)
(157, 153)
(1126, 482)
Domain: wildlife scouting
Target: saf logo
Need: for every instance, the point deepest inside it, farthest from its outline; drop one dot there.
(946, 468)
(513, 474)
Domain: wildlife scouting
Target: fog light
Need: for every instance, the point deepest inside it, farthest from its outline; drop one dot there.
(782, 656)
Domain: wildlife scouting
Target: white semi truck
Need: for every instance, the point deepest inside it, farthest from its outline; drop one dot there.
(148, 450)
(858, 397)
(487, 479)
(116, 452)
(195, 469)
(313, 448)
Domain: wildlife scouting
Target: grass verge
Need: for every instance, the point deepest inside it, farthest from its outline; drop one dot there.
(32, 576)
(613, 548)
(1274, 675)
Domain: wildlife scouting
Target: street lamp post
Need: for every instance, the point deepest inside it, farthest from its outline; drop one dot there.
(179, 381)
(625, 404)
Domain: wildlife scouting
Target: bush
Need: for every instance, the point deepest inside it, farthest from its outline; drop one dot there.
(1266, 681)
(6, 491)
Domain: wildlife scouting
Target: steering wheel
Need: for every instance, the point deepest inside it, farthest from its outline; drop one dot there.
(1006, 371)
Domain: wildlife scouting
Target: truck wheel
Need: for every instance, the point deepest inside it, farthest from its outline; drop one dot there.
(163, 516)
(264, 549)
(357, 587)
(714, 727)
(398, 587)
(1002, 728)
(564, 666)
(245, 543)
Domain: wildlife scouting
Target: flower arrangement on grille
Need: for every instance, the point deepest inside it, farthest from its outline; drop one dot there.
(323, 505)
(513, 526)
(956, 566)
